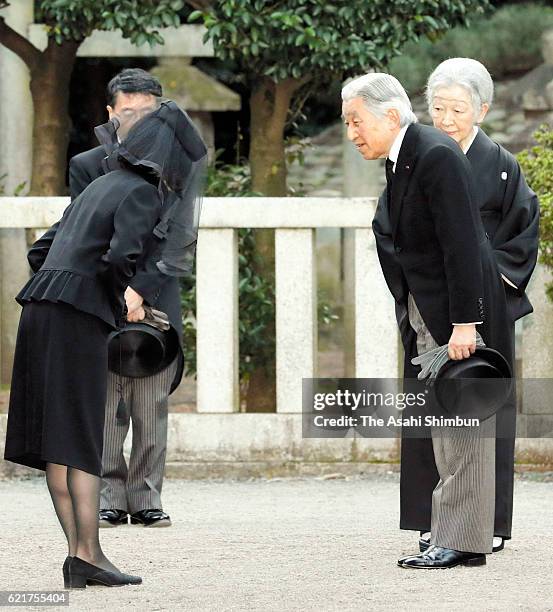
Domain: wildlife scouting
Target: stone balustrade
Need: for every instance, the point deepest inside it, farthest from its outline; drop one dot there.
(294, 220)
(216, 435)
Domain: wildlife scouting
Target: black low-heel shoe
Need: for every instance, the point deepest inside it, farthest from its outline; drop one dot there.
(82, 574)
(65, 570)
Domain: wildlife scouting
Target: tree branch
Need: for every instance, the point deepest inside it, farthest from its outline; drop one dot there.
(298, 100)
(199, 5)
(284, 92)
(13, 41)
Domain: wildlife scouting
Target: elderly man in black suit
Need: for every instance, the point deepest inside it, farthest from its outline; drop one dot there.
(438, 265)
(135, 489)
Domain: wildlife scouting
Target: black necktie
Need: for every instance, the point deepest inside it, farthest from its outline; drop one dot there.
(389, 181)
(389, 172)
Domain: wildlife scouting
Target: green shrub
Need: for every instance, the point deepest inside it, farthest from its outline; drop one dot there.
(537, 165)
(507, 41)
(18, 189)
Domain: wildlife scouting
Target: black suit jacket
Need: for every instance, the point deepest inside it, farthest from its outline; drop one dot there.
(432, 243)
(158, 290)
(84, 168)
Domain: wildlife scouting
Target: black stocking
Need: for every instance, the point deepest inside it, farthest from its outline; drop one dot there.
(84, 489)
(56, 478)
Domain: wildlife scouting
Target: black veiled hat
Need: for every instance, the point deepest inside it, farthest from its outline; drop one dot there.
(166, 143)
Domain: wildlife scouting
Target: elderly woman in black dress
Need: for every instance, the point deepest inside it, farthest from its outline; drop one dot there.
(459, 94)
(142, 213)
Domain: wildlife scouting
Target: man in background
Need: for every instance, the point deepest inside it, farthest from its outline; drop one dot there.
(135, 489)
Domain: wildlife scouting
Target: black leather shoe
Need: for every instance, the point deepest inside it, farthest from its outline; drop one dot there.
(65, 570)
(82, 573)
(112, 518)
(437, 557)
(424, 545)
(151, 517)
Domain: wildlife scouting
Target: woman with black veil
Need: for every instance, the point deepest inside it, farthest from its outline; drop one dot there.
(143, 213)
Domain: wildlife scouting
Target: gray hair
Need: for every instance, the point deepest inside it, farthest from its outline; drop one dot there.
(381, 92)
(466, 72)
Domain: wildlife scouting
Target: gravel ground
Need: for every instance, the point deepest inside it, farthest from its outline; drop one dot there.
(280, 545)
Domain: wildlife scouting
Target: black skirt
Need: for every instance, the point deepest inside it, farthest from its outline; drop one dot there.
(59, 387)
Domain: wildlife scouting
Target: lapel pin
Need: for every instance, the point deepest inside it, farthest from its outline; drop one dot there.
(504, 176)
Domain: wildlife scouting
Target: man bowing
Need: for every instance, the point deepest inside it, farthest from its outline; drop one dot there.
(438, 266)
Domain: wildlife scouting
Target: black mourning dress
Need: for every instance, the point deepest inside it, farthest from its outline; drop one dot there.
(70, 305)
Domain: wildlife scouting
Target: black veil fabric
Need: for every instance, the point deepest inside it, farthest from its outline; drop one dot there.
(166, 144)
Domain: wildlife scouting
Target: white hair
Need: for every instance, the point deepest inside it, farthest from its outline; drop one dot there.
(467, 73)
(381, 92)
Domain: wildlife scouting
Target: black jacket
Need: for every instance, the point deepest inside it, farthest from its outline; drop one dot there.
(88, 258)
(84, 168)
(157, 289)
(432, 243)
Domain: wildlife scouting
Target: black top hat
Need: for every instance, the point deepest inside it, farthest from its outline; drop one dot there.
(139, 350)
(476, 387)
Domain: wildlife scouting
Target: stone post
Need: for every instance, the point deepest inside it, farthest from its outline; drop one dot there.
(537, 359)
(376, 346)
(217, 320)
(296, 315)
(361, 179)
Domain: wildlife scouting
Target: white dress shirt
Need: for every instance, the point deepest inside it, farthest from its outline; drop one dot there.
(396, 146)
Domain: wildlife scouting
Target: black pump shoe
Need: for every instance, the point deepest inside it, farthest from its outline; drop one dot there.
(82, 573)
(65, 570)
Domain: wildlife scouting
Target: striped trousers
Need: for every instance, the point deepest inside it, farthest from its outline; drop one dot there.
(463, 502)
(137, 486)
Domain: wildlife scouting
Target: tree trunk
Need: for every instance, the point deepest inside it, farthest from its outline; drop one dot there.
(261, 393)
(50, 77)
(269, 106)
